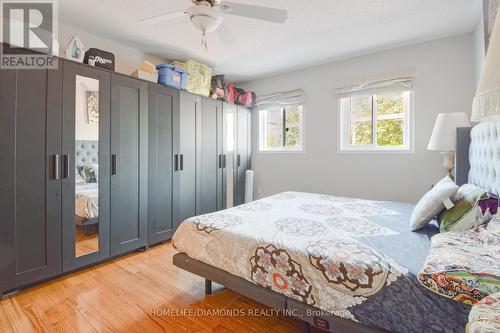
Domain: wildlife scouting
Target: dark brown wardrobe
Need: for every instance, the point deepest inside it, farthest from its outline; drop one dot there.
(223, 151)
(97, 164)
(30, 185)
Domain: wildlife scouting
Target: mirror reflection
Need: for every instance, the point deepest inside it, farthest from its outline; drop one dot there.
(86, 166)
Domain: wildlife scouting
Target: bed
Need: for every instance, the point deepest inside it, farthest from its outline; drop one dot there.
(341, 264)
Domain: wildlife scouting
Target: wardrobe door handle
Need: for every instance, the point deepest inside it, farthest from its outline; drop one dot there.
(182, 162)
(224, 163)
(220, 161)
(239, 160)
(113, 165)
(57, 167)
(176, 162)
(65, 166)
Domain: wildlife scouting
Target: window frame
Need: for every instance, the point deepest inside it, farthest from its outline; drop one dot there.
(344, 129)
(262, 114)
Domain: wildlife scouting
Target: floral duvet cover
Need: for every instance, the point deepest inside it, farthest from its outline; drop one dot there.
(354, 258)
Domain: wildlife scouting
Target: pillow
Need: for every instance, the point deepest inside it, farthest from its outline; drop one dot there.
(473, 207)
(78, 178)
(463, 266)
(431, 203)
(494, 225)
(96, 171)
(88, 174)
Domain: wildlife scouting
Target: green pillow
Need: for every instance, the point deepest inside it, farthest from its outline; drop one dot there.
(473, 207)
(88, 174)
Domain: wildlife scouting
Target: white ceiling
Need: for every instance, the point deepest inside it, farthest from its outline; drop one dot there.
(317, 31)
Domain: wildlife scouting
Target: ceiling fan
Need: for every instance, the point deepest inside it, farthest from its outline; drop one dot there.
(208, 16)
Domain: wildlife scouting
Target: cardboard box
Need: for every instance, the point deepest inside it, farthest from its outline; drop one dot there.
(200, 78)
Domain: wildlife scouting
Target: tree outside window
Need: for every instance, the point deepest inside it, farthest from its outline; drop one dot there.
(376, 122)
(281, 129)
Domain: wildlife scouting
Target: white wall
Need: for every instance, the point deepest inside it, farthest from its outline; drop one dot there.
(479, 51)
(84, 130)
(445, 82)
(127, 58)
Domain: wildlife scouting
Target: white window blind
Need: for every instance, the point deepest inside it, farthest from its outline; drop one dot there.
(280, 99)
(376, 85)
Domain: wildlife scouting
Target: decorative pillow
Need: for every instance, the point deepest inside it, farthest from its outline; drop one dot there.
(473, 207)
(78, 178)
(431, 203)
(96, 171)
(88, 174)
(494, 225)
(463, 266)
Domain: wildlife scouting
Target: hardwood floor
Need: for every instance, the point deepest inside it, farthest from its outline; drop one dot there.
(133, 294)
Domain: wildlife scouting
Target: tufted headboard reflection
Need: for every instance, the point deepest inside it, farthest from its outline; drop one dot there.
(483, 159)
(86, 152)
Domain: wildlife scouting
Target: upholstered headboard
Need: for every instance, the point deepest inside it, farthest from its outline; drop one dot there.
(86, 153)
(482, 166)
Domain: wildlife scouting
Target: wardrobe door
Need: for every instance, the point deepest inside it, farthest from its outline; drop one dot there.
(208, 161)
(221, 169)
(185, 157)
(243, 154)
(162, 103)
(30, 196)
(129, 161)
(229, 140)
(85, 165)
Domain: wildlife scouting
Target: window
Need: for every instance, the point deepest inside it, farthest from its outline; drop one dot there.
(376, 122)
(281, 129)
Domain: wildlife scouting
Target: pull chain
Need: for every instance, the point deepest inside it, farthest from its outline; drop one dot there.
(204, 42)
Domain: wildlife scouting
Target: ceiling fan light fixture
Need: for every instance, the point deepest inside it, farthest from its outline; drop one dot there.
(205, 17)
(212, 3)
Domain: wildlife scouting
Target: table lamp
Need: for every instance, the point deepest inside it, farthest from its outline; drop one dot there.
(444, 136)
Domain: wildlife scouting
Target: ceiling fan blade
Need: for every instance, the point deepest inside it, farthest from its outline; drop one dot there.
(163, 17)
(256, 12)
(225, 35)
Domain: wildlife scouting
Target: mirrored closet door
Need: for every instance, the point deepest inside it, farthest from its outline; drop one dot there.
(85, 165)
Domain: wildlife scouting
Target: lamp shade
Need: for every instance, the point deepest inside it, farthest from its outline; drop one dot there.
(486, 105)
(444, 134)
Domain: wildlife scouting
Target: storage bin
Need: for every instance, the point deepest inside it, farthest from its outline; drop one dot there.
(200, 78)
(99, 58)
(172, 76)
(148, 76)
(177, 63)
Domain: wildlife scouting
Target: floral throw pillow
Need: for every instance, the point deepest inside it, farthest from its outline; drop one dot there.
(473, 206)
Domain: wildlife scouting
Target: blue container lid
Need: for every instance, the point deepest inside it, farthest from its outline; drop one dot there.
(172, 67)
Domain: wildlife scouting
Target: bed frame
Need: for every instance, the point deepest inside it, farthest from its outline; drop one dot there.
(307, 314)
(477, 162)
